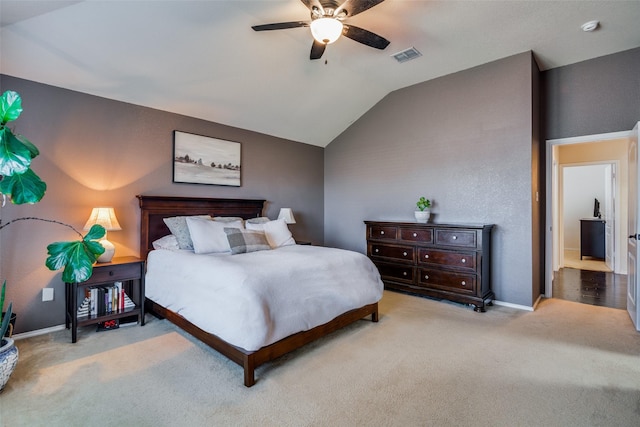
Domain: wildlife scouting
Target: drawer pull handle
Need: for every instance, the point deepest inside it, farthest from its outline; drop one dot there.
(382, 232)
(404, 273)
(464, 283)
(426, 277)
(111, 273)
(377, 250)
(415, 234)
(455, 237)
(464, 260)
(426, 256)
(404, 253)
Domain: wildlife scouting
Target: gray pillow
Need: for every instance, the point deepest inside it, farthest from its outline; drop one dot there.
(243, 241)
(178, 227)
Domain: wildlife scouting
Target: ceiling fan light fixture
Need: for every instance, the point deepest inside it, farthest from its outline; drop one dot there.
(326, 30)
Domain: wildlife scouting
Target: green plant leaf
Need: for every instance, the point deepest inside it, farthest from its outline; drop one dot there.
(15, 156)
(95, 232)
(77, 258)
(23, 188)
(28, 144)
(5, 322)
(10, 106)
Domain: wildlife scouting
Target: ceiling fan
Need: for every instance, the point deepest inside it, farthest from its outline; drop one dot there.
(327, 24)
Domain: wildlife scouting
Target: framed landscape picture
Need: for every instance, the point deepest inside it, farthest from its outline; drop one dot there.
(200, 159)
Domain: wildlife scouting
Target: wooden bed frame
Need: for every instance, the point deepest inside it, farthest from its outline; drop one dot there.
(152, 227)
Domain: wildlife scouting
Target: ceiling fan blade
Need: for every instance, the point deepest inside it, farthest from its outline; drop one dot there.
(354, 7)
(280, 26)
(365, 37)
(317, 49)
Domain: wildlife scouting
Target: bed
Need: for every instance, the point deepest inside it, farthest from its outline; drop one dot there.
(234, 343)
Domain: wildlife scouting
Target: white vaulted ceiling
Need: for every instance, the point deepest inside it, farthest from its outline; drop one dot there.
(202, 59)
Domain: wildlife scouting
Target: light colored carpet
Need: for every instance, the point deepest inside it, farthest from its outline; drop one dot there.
(425, 363)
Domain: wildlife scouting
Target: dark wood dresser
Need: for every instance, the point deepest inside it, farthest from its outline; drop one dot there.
(445, 261)
(592, 238)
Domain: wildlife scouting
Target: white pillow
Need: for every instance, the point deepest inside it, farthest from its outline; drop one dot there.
(257, 226)
(209, 236)
(228, 218)
(278, 233)
(178, 227)
(168, 242)
(258, 220)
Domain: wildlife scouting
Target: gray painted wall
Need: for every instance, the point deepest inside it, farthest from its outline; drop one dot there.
(467, 141)
(592, 97)
(464, 141)
(95, 151)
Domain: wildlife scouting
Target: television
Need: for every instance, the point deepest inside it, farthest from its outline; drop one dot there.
(596, 209)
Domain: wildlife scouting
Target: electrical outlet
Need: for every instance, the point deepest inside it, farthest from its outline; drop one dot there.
(47, 294)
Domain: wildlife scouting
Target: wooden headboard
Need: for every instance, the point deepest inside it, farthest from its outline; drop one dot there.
(153, 209)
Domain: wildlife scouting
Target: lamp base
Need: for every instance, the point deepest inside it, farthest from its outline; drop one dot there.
(109, 251)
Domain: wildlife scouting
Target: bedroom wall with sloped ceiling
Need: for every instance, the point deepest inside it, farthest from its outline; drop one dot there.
(465, 142)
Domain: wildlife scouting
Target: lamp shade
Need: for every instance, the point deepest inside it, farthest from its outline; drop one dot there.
(287, 214)
(105, 217)
(326, 30)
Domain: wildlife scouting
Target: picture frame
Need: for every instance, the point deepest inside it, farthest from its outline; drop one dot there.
(199, 159)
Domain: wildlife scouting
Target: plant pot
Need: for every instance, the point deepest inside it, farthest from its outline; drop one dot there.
(422, 216)
(8, 360)
(12, 325)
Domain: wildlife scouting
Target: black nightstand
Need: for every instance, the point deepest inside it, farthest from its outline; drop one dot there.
(128, 270)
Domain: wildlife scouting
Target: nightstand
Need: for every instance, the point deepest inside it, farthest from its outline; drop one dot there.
(303, 242)
(129, 271)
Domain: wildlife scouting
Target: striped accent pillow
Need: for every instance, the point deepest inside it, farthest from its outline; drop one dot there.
(243, 241)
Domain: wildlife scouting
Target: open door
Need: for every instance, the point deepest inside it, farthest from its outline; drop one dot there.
(633, 246)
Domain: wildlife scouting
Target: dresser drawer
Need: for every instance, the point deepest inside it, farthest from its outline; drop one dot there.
(451, 237)
(422, 235)
(456, 282)
(398, 273)
(461, 260)
(116, 273)
(383, 232)
(394, 252)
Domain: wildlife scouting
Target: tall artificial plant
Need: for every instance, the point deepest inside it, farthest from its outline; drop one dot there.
(21, 185)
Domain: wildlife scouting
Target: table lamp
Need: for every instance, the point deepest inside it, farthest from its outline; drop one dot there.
(287, 214)
(105, 217)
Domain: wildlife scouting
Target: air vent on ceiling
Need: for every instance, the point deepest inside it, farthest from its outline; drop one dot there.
(407, 55)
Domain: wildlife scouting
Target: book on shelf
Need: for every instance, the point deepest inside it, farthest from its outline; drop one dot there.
(102, 300)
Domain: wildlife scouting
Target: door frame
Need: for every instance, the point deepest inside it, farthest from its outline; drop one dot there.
(551, 169)
(559, 256)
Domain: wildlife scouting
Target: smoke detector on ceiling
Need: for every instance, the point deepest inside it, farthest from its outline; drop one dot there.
(587, 27)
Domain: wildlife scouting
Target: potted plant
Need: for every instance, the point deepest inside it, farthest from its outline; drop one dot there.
(424, 210)
(21, 185)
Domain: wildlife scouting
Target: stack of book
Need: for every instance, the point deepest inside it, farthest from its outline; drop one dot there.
(107, 299)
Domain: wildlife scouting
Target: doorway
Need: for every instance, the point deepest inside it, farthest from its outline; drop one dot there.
(568, 275)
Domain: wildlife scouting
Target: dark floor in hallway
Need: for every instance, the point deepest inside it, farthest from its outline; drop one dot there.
(591, 287)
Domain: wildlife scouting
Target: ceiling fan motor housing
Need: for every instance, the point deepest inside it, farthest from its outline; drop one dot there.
(326, 24)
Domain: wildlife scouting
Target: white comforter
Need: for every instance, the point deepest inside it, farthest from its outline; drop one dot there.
(255, 299)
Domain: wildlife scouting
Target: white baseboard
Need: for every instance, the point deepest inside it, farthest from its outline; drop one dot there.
(518, 306)
(38, 332)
